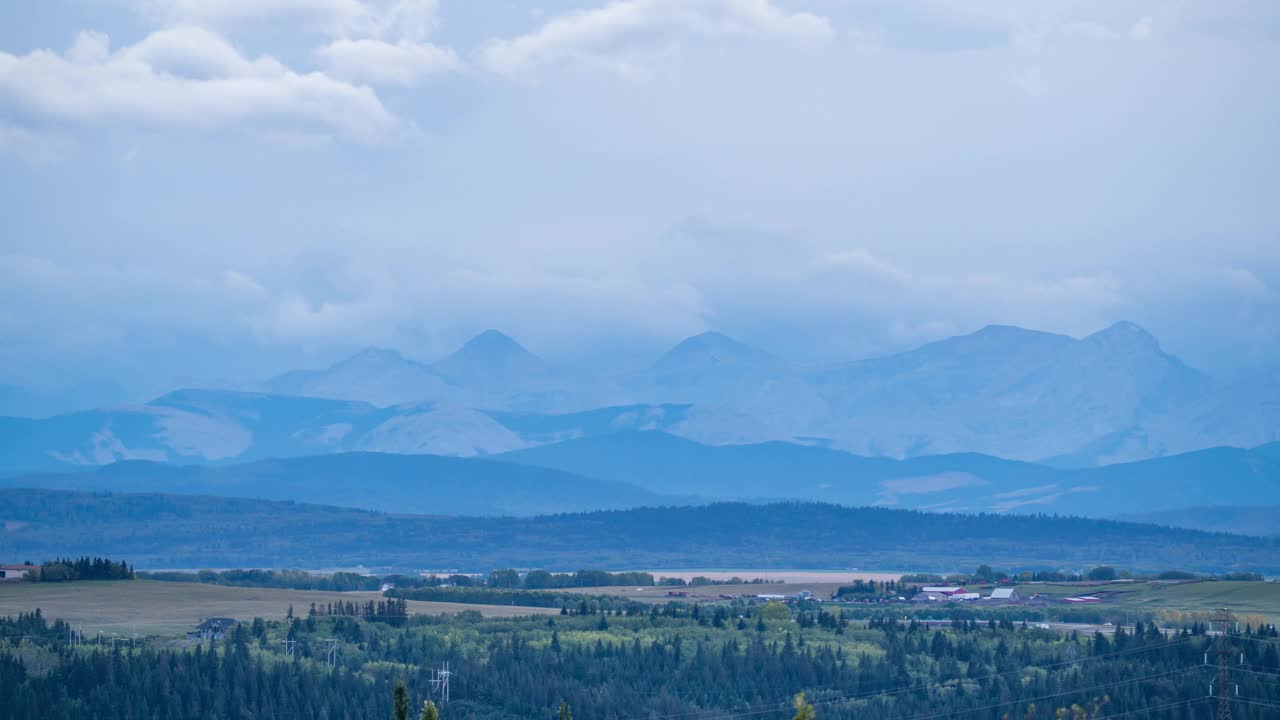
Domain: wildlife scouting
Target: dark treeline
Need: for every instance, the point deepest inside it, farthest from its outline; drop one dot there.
(170, 531)
(543, 580)
(575, 602)
(689, 660)
(84, 568)
(393, 611)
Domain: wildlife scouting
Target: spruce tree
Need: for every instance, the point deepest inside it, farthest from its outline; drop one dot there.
(402, 701)
(563, 712)
(429, 711)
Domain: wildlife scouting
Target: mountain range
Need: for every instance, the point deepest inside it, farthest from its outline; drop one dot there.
(650, 468)
(1113, 396)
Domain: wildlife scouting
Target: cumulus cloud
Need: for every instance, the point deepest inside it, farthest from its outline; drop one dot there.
(381, 62)
(404, 19)
(186, 77)
(613, 35)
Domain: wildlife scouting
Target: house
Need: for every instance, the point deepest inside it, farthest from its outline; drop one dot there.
(18, 573)
(212, 629)
(1007, 595)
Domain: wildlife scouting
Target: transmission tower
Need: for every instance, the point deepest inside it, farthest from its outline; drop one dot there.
(440, 683)
(288, 647)
(331, 655)
(1222, 686)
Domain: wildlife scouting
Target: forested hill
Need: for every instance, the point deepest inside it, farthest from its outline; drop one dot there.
(199, 531)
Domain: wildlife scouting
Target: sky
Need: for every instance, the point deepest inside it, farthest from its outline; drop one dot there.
(214, 191)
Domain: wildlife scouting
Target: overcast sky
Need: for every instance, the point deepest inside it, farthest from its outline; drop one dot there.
(198, 191)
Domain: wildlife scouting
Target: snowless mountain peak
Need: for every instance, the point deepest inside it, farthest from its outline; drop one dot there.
(715, 348)
(1125, 333)
(493, 342)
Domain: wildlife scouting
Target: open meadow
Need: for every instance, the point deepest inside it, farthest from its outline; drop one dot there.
(152, 607)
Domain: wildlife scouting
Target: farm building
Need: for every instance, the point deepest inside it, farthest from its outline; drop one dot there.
(1008, 595)
(212, 629)
(16, 573)
(948, 590)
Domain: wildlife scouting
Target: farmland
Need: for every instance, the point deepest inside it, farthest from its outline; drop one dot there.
(166, 608)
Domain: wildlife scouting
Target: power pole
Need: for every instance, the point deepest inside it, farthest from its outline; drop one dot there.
(288, 647)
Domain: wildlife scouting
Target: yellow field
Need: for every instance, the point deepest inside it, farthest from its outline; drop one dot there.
(151, 607)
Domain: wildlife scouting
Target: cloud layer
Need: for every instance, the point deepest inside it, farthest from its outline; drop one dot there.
(221, 189)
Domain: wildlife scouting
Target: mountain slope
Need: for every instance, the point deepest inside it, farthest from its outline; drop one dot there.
(964, 481)
(158, 531)
(1010, 392)
(374, 375)
(371, 481)
(215, 426)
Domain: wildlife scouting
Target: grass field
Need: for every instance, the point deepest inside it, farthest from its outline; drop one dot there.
(151, 607)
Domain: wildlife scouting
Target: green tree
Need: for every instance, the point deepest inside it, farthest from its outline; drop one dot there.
(1103, 572)
(402, 701)
(563, 712)
(804, 710)
(504, 579)
(429, 711)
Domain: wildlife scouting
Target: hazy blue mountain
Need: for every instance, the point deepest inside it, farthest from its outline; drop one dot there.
(1113, 396)
(212, 426)
(1253, 520)
(1011, 392)
(154, 530)
(541, 428)
(374, 375)
(738, 394)
(491, 360)
(960, 482)
(427, 484)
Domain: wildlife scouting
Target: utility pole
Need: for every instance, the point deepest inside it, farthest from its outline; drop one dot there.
(288, 647)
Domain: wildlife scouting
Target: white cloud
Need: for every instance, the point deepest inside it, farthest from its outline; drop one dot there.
(614, 34)
(860, 260)
(186, 77)
(403, 19)
(381, 62)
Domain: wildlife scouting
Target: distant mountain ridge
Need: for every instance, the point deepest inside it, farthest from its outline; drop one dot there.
(1112, 396)
(963, 482)
(424, 484)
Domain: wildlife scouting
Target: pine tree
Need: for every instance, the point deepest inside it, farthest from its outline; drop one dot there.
(429, 711)
(563, 712)
(402, 701)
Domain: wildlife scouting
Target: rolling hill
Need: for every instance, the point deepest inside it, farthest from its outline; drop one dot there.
(156, 531)
(426, 484)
